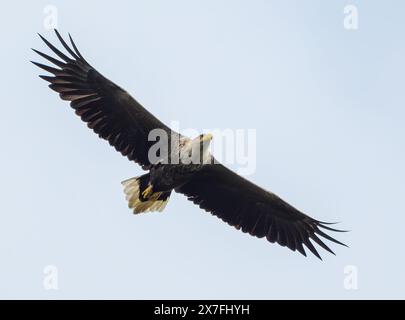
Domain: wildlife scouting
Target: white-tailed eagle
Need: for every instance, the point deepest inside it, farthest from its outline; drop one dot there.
(118, 118)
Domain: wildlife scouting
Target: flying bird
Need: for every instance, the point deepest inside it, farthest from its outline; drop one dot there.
(118, 118)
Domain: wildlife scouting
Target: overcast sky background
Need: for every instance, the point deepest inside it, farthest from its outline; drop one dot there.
(328, 107)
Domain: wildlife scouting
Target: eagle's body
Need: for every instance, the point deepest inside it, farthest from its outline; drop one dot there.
(183, 165)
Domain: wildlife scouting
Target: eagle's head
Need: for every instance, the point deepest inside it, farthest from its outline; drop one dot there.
(205, 139)
(196, 151)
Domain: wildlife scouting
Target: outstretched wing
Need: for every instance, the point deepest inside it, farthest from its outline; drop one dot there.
(109, 110)
(252, 209)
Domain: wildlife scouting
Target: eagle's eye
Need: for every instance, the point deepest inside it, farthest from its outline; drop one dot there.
(205, 137)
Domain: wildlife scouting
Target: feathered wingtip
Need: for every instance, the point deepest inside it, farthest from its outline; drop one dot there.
(317, 231)
(73, 51)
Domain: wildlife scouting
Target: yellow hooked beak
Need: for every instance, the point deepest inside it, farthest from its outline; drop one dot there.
(207, 137)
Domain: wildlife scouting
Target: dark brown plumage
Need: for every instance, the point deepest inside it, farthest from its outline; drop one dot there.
(109, 110)
(247, 207)
(115, 116)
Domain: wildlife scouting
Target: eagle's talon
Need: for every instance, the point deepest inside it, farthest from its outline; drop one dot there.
(147, 192)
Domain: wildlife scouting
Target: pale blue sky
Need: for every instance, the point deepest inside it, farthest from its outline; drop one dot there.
(328, 107)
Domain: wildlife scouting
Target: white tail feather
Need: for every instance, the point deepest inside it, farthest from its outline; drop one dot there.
(131, 189)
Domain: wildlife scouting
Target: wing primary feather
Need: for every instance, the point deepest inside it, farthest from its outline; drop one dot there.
(320, 243)
(298, 239)
(64, 44)
(326, 236)
(331, 229)
(324, 222)
(300, 247)
(290, 239)
(47, 78)
(54, 49)
(47, 68)
(75, 48)
(53, 60)
(311, 247)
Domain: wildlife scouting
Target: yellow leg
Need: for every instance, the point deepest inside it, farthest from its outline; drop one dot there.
(147, 192)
